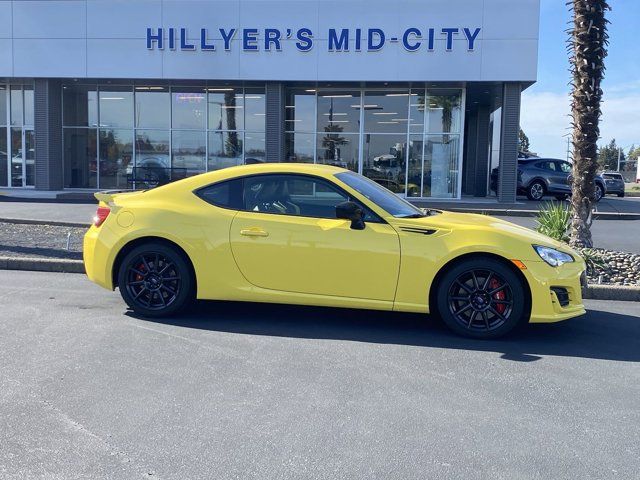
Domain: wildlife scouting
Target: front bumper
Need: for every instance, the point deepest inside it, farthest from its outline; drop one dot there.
(546, 281)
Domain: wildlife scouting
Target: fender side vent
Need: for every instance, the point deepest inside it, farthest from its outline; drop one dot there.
(421, 231)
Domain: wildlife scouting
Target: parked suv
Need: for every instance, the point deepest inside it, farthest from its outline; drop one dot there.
(538, 177)
(614, 183)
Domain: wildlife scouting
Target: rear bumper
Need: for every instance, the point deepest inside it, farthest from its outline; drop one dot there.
(545, 281)
(96, 256)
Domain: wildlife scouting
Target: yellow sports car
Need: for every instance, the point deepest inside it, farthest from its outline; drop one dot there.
(321, 235)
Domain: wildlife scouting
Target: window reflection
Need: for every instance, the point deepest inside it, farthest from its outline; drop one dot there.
(300, 147)
(226, 108)
(300, 111)
(225, 150)
(28, 106)
(152, 161)
(80, 158)
(254, 148)
(188, 108)
(116, 107)
(338, 112)
(116, 155)
(386, 111)
(80, 106)
(255, 108)
(3, 154)
(3, 105)
(338, 149)
(384, 160)
(188, 153)
(16, 105)
(441, 161)
(153, 107)
(444, 111)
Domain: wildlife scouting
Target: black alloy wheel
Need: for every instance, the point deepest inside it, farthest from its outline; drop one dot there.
(155, 280)
(481, 298)
(599, 193)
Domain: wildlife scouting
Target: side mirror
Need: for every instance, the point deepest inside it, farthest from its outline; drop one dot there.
(351, 211)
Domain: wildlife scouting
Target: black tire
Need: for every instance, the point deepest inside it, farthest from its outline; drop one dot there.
(599, 193)
(561, 198)
(481, 298)
(536, 191)
(621, 195)
(155, 280)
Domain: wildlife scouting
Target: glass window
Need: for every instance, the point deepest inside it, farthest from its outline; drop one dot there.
(17, 172)
(225, 150)
(386, 111)
(415, 166)
(225, 194)
(255, 110)
(292, 195)
(339, 150)
(444, 111)
(153, 107)
(30, 157)
(28, 106)
(189, 107)
(16, 105)
(339, 111)
(254, 148)
(565, 167)
(300, 114)
(80, 158)
(80, 105)
(226, 108)
(441, 166)
(384, 160)
(188, 153)
(299, 147)
(416, 111)
(382, 197)
(3, 105)
(152, 157)
(116, 107)
(116, 156)
(3, 155)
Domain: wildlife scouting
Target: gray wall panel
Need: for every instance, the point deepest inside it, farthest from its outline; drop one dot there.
(482, 152)
(48, 131)
(275, 105)
(509, 142)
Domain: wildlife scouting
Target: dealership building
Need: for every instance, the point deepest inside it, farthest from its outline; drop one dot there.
(421, 96)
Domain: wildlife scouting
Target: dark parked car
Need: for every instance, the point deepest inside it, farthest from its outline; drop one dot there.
(538, 177)
(614, 183)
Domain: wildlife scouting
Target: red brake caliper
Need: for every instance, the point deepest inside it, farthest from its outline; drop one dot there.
(140, 269)
(500, 295)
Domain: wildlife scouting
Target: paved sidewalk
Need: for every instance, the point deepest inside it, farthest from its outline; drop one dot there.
(51, 211)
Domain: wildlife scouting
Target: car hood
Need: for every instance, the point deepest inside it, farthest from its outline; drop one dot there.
(452, 221)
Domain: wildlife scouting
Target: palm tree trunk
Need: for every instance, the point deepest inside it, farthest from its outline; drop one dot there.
(587, 44)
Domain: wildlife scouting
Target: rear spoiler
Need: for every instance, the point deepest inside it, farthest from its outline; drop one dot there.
(108, 195)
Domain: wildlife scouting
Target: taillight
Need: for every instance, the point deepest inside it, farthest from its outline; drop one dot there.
(101, 215)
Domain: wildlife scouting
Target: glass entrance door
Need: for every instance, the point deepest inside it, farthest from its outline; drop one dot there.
(22, 157)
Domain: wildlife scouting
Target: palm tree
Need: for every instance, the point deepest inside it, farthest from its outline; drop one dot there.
(587, 46)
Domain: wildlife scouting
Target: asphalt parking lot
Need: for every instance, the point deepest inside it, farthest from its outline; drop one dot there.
(267, 391)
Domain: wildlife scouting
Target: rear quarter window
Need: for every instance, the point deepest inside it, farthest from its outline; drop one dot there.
(227, 194)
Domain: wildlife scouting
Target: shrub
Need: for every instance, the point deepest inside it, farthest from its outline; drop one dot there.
(553, 220)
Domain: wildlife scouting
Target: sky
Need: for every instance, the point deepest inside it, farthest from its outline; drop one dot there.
(544, 114)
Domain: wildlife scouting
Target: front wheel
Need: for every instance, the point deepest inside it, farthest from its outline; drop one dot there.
(621, 194)
(481, 298)
(155, 280)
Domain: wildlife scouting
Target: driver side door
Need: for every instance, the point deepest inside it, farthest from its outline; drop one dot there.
(288, 238)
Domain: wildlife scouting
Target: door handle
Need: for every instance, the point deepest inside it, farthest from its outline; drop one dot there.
(254, 232)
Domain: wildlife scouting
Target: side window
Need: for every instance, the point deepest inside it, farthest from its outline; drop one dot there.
(565, 167)
(550, 166)
(297, 195)
(224, 194)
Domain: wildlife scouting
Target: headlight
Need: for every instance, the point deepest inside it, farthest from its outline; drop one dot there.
(553, 257)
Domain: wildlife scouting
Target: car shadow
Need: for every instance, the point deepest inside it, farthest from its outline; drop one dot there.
(598, 334)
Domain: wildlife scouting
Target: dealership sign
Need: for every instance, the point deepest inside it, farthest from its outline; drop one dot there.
(339, 40)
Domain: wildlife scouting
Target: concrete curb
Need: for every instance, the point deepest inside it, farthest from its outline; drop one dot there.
(42, 264)
(612, 292)
(45, 222)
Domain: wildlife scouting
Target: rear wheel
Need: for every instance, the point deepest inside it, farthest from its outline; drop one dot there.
(481, 298)
(536, 190)
(621, 194)
(599, 193)
(155, 280)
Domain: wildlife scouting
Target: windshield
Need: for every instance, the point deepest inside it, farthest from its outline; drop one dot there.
(379, 195)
